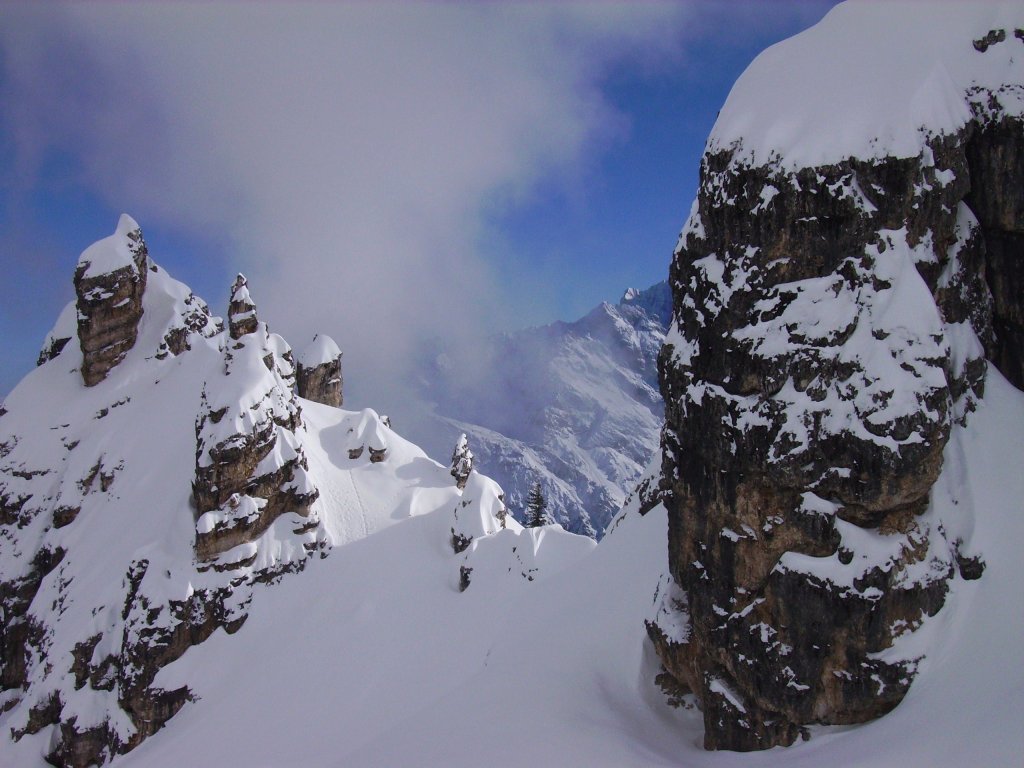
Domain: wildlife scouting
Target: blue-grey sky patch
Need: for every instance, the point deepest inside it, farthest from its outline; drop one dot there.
(382, 172)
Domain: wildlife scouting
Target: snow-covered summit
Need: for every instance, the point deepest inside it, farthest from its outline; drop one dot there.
(322, 349)
(113, 252)
(874, 79)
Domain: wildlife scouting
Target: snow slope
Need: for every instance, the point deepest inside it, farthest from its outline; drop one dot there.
(366, 659)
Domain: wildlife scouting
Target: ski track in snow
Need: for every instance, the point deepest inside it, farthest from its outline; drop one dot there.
(360, 504)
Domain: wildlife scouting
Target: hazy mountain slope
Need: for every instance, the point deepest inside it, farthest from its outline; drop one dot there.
(574, 406)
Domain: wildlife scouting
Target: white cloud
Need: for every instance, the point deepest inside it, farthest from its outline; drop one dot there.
(349, 152)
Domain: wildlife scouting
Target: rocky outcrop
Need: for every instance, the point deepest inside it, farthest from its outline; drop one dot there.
(192, 319)
(319, 372)
(242, 318)
(995, 156)
(59, 483)
(830, 330)
(109, 283)
(462, 462)
(250, 465)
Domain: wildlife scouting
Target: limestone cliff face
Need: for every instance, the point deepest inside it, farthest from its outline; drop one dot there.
(831, 327)
(109, 283)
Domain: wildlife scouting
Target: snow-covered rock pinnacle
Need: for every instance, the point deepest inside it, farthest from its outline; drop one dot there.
(250, 464)
(319, 372)
(242, 318)
(462, 461)
(833, 308)
(109, 282)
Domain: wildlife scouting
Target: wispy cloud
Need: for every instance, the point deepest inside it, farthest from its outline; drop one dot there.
(349, 153)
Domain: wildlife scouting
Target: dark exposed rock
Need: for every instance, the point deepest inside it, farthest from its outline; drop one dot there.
(65, 515)
(76, 748)
(464, 573)
(460, 543)
(318, 375)
(805, 424)
(10, 507)
(194, 319)
(53, 348)
(970, 568)
(109, 283)
(995, 156)
(994, 36)
(46, 712)
(17, 629)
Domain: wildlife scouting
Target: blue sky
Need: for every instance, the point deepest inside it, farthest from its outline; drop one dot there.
(381, 174)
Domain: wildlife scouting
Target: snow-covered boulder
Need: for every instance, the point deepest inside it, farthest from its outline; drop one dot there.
(319, 372)
(831, 324)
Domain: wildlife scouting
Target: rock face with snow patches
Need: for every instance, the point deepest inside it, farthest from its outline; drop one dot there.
(109, 283)
(833, 295)
(143, 510)
(250, 464)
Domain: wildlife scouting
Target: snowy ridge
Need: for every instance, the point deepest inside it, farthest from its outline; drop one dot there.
(99, 531)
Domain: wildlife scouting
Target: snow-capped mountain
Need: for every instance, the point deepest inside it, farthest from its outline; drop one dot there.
(573, 406)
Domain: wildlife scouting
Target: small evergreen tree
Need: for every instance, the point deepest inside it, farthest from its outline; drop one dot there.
(536, 508)
(462, 461)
